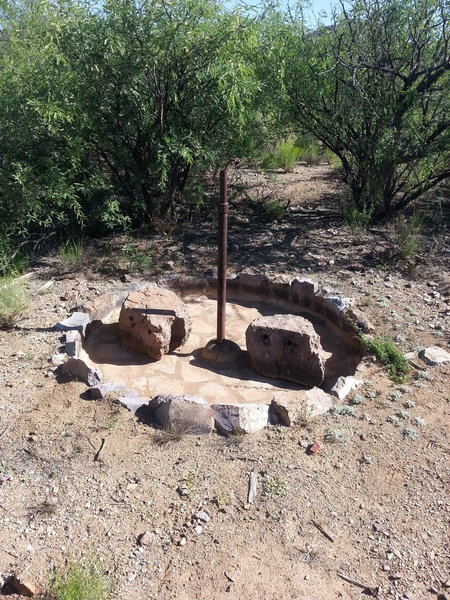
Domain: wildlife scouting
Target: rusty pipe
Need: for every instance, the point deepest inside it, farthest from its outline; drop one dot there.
(222, 256)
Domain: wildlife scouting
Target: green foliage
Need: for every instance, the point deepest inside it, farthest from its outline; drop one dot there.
(275, 211)
(387, 353)
(106, 114)
(80, 582)
(374, 88)
(13, 301)
(284, 157)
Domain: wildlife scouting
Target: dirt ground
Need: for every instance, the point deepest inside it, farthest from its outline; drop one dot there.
(373, 506)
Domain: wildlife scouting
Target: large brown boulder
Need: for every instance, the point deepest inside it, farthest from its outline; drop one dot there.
(154, 321)
(286, 347)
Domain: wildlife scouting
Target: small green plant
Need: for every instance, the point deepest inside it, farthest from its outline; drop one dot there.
(4, 469)
(386, 352)
(403, 414)
(284, 157)
(222, 499)
(274, 211)
(393, 419)
(188, 484)
(343, 410)
(273, 487)
(13, 301)
(409, 404)
(138, 259)
(71, 255)
(410, 434)
(394, 396)
(356, 219)
(408, 235)
(418, 422)
(334, 436)
(356, 399)
(80, 582)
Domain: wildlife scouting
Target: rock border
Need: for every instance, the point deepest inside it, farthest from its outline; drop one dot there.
(299, 295)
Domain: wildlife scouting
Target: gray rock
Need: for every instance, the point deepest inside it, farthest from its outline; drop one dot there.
(154, 321)
(79, 369)
(240, 418)
(286, 347)
(73, 343)
(358, 320)
(183, 413)
(304, 287)
(99, 391)
(77, 320)
(132, 401)
(256, 283)
(344, 385)
(306, 405)
(433, 356)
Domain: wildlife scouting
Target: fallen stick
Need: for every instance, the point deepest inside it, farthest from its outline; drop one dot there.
(253, 482)
(322, 531)
(371, 591)
(97, 454)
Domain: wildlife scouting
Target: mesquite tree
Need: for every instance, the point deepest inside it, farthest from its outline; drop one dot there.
(374, 87)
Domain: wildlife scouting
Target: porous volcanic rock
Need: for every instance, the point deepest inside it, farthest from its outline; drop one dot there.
(154, 321)
(286, 347)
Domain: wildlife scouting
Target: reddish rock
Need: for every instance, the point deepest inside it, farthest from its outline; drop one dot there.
(154, 321)
(286, 347)
(23, 585)
(315, 447)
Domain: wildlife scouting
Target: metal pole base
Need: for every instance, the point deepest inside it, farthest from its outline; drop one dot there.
(223, 354)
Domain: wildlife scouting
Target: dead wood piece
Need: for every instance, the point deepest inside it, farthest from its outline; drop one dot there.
(252, 487)
(368, 590)
(322, 531)
(97, 454)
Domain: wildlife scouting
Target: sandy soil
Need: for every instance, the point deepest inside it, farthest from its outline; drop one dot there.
(381, 496)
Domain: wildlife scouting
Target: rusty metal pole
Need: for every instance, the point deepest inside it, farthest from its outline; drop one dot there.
(222, 257)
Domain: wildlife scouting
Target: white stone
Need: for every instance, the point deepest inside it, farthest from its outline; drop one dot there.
(345, 385)
(240, 418)
(433, 355)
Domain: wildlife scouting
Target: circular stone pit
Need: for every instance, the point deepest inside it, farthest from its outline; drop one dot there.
(182, 372)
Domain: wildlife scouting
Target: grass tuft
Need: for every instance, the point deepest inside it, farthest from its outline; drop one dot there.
(80, 582)
(13, 301)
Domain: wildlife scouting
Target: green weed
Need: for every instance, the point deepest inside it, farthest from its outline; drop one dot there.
(408, 236)
(273, 487)
(387, 353)
(13, 301)
(80, 582)
(168, 434)
(138, 260)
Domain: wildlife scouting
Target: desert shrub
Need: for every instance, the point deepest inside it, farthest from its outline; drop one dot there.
(389, 355)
